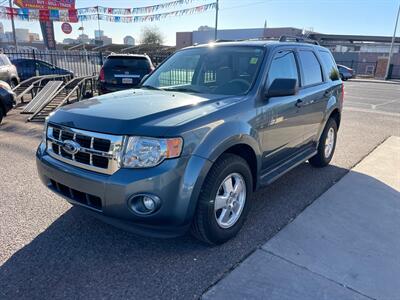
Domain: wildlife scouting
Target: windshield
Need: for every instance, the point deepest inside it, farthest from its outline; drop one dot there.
(223, 70)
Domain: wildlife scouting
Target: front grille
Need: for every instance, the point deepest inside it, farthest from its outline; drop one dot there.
(96, 152)
(78, 196)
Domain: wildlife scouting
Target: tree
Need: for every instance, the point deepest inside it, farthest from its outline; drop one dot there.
(151, 35)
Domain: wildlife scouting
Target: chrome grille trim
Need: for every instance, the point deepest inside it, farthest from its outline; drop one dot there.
(112, 156)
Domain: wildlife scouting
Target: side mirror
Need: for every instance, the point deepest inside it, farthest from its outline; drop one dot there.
(282, 87)
(144, 78)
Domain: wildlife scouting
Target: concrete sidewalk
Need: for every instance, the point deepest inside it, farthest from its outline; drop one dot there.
(346, 245)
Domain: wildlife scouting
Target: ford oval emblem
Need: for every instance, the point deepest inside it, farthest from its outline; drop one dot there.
(71, 147)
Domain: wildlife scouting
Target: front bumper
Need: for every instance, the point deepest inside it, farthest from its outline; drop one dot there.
(176, 182)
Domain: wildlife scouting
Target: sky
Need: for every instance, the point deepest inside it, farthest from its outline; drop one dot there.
(362, 17)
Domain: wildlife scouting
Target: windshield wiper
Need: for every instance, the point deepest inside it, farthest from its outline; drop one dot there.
(182, 89)
(150, 87)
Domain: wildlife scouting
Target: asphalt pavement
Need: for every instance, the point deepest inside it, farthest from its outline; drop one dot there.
(50, 250)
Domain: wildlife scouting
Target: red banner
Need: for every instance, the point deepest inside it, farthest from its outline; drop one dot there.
(46, 4)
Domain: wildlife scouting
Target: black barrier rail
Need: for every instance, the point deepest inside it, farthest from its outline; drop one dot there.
(33, 62)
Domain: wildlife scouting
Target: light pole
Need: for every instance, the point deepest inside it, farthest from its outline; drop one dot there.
(216, 21)
(391, 45)
(13, 25)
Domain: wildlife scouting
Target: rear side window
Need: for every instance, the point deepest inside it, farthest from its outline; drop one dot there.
(283, 66)
(330, 65)
(311, 68)
(135, 63)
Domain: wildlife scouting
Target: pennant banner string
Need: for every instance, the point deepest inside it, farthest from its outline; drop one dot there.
(132, 11)
(73, 15)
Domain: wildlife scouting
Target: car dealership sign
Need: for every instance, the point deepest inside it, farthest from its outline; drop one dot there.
(46, 4)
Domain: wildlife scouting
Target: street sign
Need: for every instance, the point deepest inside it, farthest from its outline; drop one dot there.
(66, 28)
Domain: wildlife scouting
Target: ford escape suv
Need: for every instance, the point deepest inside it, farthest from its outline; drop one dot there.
(209, 126)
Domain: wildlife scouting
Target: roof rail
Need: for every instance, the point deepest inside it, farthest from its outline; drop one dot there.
(224, 41)
(297, 39)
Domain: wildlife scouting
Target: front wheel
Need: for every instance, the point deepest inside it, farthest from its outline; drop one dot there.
(326, 145)
(1, 115)
(223, 203)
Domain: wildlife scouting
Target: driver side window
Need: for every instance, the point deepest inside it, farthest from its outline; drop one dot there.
(283, 66)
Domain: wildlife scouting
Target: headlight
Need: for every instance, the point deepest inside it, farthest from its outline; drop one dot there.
(144, 152)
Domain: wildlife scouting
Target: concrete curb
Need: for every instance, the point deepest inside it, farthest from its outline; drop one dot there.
(373, 81)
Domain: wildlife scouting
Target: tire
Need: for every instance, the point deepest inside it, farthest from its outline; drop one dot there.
(323, 157)
(1, 114)
(13, 83)
(206, 223)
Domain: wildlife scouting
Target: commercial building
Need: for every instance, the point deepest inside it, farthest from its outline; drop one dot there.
(98, 34)
(206, 34)
(129, 40)
(22, 35)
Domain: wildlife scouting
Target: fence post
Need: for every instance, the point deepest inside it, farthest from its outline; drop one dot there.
(101, 58)
(34, 62)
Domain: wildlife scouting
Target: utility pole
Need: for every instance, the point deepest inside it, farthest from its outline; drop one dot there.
(216, 21)
(391, 45)
(13, 25)
(98, 22)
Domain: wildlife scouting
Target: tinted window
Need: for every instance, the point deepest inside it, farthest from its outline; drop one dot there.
(311, 68)
(283, 66)
(135, 63)
(330, 65)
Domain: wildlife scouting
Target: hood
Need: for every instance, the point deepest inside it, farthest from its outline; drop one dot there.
(137, 111)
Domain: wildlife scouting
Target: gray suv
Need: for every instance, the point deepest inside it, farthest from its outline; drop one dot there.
(209, 126)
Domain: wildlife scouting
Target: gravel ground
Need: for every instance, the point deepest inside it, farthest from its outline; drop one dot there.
(50, 250)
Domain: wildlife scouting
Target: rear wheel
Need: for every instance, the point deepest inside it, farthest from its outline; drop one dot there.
(326, 146)
(224, 200)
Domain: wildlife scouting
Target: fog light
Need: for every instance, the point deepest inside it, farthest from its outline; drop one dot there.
(144, 204)
(148, 203)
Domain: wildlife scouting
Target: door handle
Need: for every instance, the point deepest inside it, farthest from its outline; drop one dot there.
(299, 103)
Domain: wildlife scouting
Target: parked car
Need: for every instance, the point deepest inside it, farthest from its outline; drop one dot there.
(121, 72)
(8, 71)
(28, 68)
(345, 72)
(7, 99)
(209, 126)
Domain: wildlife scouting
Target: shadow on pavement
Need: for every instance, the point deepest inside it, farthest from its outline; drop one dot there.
(79, 256)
